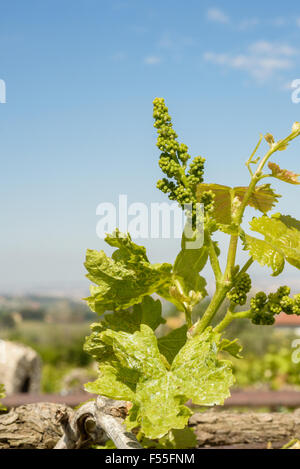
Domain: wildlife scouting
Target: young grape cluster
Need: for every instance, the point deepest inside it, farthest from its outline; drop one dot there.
(264, 308)
(173, 159)
(208, 200)
(238, 294)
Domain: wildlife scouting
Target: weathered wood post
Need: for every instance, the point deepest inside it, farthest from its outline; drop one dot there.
(20, 368)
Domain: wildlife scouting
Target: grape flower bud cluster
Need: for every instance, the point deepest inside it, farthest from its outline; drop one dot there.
(264, 308)
(179, 184)
(238, 294)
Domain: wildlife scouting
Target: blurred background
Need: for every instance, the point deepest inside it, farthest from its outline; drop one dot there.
(77, 130)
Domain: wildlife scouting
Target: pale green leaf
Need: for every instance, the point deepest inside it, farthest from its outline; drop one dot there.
(147, 312)
(231, 346)
(125, 278)
(187, 266)
(206, 378)
(264, 253)
(170, 344)
(280, 236)
(175, 439)
(132, 368)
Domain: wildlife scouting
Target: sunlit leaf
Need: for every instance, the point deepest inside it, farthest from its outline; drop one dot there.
(283, 174)
(281, 242)
(170, 344)
(131, 367)
(125, 278)
(263, 198)
(264, 253)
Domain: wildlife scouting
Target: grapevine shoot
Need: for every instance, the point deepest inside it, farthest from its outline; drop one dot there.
(159, 375)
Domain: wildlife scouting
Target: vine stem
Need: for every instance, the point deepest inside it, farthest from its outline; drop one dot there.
(225, 284)
(229, 317)
(226, 281)
(187, 310)
(214, 260)
(213, 307)
(245, 267)
(252, 155)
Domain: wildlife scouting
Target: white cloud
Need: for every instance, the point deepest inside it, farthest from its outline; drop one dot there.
(298, 21)
(261, 60)
(272, 49)
(170, 47)
(217, 15)
(152, 60)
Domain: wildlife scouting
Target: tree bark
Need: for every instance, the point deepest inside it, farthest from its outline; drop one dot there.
(31, 426)
(46, 425)
(217, 429)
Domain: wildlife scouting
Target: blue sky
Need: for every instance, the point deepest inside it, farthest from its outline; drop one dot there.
(77, 126)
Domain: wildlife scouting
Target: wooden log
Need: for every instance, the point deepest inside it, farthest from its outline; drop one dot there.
(48, 425)
(96, 422)
(216, 429)
(32, 426)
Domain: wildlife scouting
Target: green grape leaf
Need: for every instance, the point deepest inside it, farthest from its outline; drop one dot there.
(109, 444)
(170, 344)
(289, 221)
(125, 278)
(190, 259)
(279, 235)
(281, 242)
(132, 368)
(188, 264)
(231, 346)
(264, 253)
(283, 174)
(180, 439)
(147, 312)
(263, 198)
(222, 201)
(207, 378)
(175, 439)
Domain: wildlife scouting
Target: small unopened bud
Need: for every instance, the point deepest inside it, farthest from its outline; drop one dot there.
(270, 139)
(296, 127)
